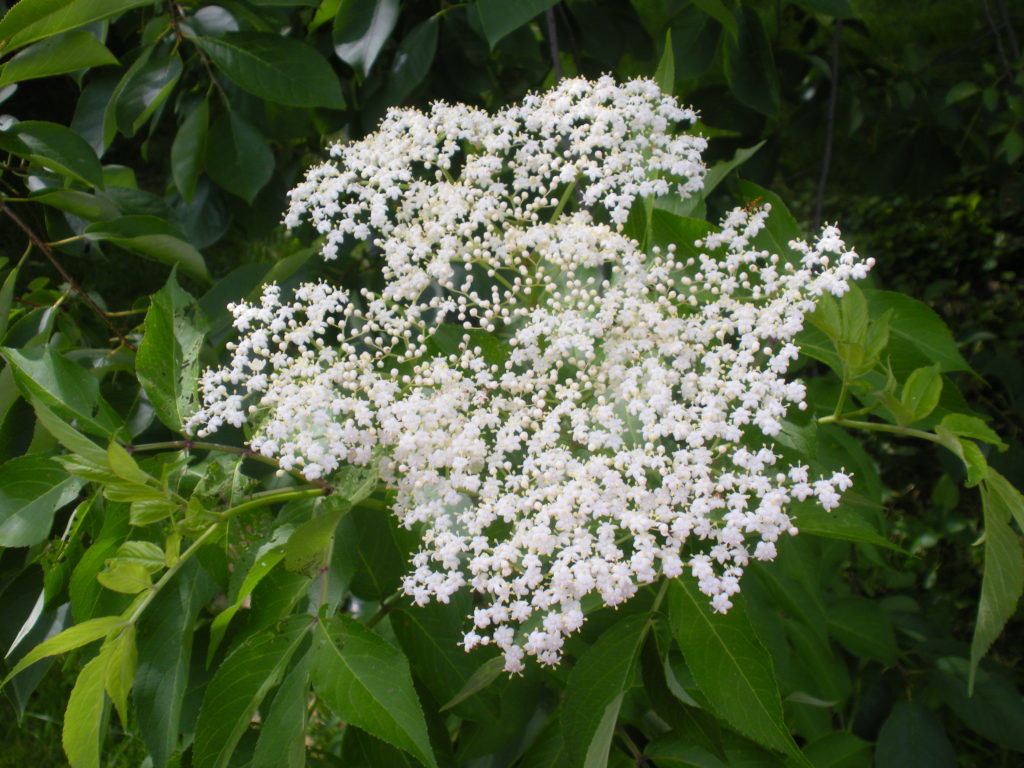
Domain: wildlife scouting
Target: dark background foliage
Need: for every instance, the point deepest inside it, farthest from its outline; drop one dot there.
(900, 119)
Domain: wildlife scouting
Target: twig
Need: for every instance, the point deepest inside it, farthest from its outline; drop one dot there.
(173, 13)
(830, 124)
(556, 59)
(48, 252)
(999, 40)
(1010, 34)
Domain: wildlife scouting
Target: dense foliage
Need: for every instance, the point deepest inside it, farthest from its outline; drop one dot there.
(243, 598)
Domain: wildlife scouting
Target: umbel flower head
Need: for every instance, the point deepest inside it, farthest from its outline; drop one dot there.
(561, 413)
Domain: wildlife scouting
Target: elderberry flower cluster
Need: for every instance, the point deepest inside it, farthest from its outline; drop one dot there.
(561, 413)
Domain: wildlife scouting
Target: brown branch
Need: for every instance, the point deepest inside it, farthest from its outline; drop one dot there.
(833, 98)
(174, 13)
(48, 252)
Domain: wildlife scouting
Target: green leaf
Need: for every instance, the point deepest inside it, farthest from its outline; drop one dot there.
(275, 68)
(32, 489)
(731, 666)
(367, 683)
(412, 61)
(238, 158)
(921, 392)
(863, 628)
(719, 171)
(665, 74)
(361, 27)
(32, 20)
(780, 227)
(126, 577)
(54, 147)
(1002, 582)
(994, 707)
(499, 17)
(749, 65)
(121, 661)
(913, 737)
(154, 238)
(962, 425)
(961, 91)
(282, 741)
(124, 466)
(189, 150)
(69, 52)
(594, 690)
(968, 452)
(83, 717)
(839, 9)
(149, 511)
(167, 362)
(81, 204)
(717, 10)
(238, 687)
(669, 751)
(165, 650)
(147, 554)
(838, 749)
(917, 329)
(485, 674)
(144, 89)
(73, 637)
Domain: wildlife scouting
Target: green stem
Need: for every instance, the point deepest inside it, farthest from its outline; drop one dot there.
(563, 201)
(385, 608)
(660, 597)
(169, 573)
(873, 426)
(271, 497)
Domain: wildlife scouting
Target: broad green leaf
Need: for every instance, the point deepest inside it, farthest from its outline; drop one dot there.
(32, 20)
(144, 89)
(594, 690)
(57, 55)
(124, 466)
(147, 554)
(81, 204)
(863, 628)
(913, 737)
(838, 749)
(153, 238)
(83, 717)
(238, 158)
(665, 74)
(412, 61)
(367, 683)
(32, 489)
(279, 69)
(961, 91)
(361, 27)
(54, 147)
(485, 674)
(73, 637)
(962, 425)
(994, 707)
(126, 577)
(968, 452)
(165, 634)
(717, 173)
(839, 9)
(717, 10)
(240, 684)
(121, 661)
(189, 150)
(919, 331)
(499, 17)
(749, 65)
(844, 526)
(148, 511)
(669, 751)
(1002, 582)
(167, 362)
(282, 741)
(731, 666)
(308, 544)
(921, 392)
(780, 227)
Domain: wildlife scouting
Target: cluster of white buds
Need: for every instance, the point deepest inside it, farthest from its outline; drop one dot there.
(561, 413)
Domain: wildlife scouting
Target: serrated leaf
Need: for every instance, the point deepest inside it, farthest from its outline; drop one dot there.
(121, 661)
(594, 690)
(367, 683)
(669, 751)
(913, 737)
(167, 362)
(189, 150)
(918, 329)
(236, 690)
(499, 18)
(126, 577)
(282, 741)
(124, 466)
(32, 489)
(279, 69)
(1002, 581)
(962, 425)
(84, 716)
(993, 708)
(58, 55)
(73, 637)
(732, 667)
(361, 27)
(147, 554)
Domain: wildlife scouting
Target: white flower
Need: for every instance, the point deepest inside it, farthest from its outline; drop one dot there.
(563, 413)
